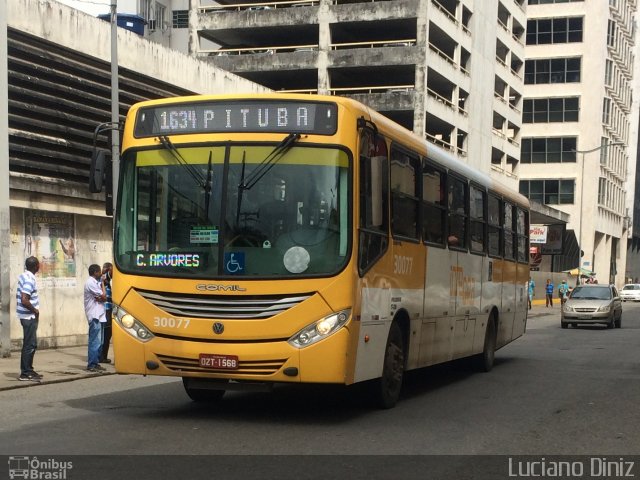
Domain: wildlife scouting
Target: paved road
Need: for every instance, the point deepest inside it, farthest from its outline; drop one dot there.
(552, 392)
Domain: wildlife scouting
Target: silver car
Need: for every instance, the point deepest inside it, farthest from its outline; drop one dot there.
(593, 304)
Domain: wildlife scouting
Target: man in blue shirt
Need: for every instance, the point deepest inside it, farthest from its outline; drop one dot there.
(549, 292)
(28, 310)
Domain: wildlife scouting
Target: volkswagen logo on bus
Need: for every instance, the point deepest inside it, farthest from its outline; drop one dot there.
(218, 328)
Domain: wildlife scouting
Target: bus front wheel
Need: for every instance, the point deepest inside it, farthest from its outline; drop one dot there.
(388, 387)
(204, 395)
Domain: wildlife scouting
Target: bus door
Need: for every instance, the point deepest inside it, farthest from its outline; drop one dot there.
(465, 268)
(408, 252)
(509, 278)
(373, 292)
(439, 305)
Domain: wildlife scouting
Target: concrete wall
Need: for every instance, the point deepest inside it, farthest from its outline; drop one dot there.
(62, 319)
(86, 34)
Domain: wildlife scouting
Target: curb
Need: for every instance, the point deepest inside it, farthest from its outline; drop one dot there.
(59, 380)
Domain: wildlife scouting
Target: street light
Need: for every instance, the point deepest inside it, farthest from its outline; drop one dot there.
(584, 153)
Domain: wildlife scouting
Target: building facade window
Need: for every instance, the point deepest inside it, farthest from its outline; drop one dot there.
(543, 31)
(548, 150)
(550, 191)
(161, 17)
(606, 111)
(145, 9)
(180, 19)
(611, 33)
(552, 70)
(549, 110)
(608, 73)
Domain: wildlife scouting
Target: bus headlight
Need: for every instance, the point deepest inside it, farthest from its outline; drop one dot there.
(131, 325)
(320, 329)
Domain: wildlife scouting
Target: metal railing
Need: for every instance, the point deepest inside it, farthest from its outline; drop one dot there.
(237, 7)
(407, 42)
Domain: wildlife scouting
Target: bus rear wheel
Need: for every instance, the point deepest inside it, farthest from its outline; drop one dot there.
(202, 395)
(483, 362)
(389, 385)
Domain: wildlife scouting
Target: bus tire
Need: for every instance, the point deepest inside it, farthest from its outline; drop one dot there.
(387, 388)
(202, 395)
(483, 362)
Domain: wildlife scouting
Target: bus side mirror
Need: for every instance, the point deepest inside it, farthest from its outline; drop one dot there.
(97, 171)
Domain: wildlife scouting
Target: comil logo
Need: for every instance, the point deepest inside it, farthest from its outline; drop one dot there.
(38, 469)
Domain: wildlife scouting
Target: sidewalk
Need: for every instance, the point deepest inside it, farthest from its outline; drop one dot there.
(55, 364)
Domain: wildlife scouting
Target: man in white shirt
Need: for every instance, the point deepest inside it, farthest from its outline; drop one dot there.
(28, 310)
(94, 298)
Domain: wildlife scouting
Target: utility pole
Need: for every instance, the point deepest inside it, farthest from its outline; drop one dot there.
(583, 155)
(5, 224)
(115, 102)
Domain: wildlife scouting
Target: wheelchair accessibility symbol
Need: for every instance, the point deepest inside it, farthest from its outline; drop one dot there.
(234, 262)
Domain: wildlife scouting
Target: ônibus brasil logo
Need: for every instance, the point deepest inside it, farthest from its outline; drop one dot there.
(38, 469)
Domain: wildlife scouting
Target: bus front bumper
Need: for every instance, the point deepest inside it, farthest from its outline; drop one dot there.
(278, 361)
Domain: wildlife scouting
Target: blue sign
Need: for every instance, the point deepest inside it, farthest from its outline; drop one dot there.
(234, 263)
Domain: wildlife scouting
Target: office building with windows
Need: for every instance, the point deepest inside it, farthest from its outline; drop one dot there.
(579, 124)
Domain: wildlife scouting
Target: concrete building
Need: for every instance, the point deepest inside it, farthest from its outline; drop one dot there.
(450, 70)
(55, 89)
(579, 131)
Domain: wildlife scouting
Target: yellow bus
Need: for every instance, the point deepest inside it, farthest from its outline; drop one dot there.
(296, 238)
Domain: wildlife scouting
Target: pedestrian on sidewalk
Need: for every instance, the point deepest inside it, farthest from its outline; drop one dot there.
(549, 293)
(94, 298)
(107, 268)
(531, 290)
(563, 292)
(28, 311)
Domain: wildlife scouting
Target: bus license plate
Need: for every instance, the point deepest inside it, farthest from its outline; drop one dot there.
(226, 362)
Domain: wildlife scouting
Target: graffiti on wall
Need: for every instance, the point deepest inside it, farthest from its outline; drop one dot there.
(50, 237)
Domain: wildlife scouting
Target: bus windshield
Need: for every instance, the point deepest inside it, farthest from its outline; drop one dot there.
(215, 211)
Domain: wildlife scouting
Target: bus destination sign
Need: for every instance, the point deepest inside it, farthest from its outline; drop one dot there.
(237, 116)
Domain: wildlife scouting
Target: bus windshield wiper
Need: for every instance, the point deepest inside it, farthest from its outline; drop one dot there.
(195, 174)
(269, 161)
(208, 184)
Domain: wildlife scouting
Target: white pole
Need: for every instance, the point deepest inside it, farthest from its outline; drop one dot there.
(584, 157)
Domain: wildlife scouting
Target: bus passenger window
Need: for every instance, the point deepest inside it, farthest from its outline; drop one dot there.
(457, 194)
(494, 228)
(374, 178)
(433, 205)
(478, 219)
(404, 197)
(522, 230)
(509, 251)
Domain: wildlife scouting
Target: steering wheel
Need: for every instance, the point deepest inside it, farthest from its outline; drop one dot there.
(245, 240)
